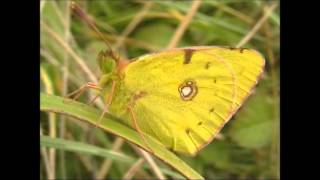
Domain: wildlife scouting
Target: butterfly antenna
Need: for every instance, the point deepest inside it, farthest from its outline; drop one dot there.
(77, 10)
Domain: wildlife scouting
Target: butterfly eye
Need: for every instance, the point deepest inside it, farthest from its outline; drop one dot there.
(188, 90)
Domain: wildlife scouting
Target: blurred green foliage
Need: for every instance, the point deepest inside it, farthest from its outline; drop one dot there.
(248, 146)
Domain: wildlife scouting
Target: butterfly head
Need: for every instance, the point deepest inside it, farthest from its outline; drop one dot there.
(107, 61)
(111, 66)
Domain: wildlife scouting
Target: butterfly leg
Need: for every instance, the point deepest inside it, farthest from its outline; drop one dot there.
(136, 126)
(82, 89)
(93, 99)
(108, 102)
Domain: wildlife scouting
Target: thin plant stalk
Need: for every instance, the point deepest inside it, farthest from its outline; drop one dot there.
(184, 24)
(52, 123)
(104, 169)
(65, 77)
(133, 169)
(257, 26)
(133, 24)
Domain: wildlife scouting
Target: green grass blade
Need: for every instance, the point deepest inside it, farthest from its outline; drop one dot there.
(72, 146)
(182, 6)
(91, 115)
(83, 148)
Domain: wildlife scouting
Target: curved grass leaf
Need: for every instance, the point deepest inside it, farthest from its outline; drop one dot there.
(83, 148)
(73, 146)
(91, 115)
(182, 6)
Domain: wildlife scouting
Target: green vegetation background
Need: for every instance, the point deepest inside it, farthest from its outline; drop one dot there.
(248, 146)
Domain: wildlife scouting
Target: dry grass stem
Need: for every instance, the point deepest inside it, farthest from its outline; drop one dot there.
(184, 24)
(104, 169)
(257, 26)
(133, 169)
(156, 170)
(133, 24)
(71, 52)
(52, 123)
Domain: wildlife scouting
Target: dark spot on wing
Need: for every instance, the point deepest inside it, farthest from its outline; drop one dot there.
(199, 123)
(188, 131)
(207, 65)
(215, 80)
(242, 49)
(139, 95)
(188, 55)
(211, 110)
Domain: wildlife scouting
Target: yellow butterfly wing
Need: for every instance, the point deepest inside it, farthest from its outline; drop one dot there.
(183, 97)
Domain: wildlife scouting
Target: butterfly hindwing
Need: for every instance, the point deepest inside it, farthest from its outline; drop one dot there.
(183, 97)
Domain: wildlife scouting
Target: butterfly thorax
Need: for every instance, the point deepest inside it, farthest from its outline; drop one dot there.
(111, 68)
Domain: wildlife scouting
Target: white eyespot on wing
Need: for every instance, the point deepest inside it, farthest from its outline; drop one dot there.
(186, 91)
